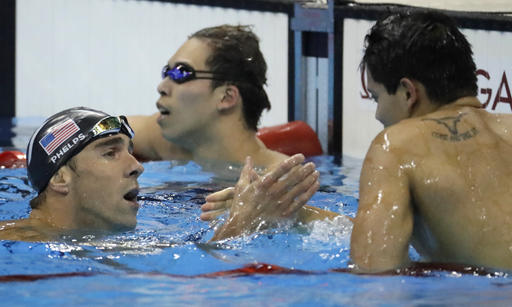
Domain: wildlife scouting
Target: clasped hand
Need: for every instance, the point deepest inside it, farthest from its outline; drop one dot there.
(259, 201)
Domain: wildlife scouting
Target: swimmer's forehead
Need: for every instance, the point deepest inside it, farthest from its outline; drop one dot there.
(194, 52)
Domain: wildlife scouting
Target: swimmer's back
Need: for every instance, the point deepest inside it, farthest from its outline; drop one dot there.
(459, 163)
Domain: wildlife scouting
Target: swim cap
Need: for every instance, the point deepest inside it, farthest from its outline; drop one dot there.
(64, 135)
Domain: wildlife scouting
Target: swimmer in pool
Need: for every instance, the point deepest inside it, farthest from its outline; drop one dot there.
(438, 175)
(81, 164)
(211, 98)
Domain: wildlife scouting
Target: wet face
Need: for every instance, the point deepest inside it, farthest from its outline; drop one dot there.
(390, 107)
(188, 110)
(104, 184)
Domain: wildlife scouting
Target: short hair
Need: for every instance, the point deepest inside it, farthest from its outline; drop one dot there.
(425, 46)
(236, 54)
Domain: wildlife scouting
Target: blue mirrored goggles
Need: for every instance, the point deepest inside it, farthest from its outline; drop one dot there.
(111, 124)
(182, 73)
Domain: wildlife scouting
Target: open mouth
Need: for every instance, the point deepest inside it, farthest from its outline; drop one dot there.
(162, 110)
(131, 195)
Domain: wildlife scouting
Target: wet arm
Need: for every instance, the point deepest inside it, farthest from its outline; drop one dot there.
(309, 214)
(384, 221)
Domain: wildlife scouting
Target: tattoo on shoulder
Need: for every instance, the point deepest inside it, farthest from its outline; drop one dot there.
(453, 135)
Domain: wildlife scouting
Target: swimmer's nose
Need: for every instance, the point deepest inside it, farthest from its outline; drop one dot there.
(136, 169)
(163, 87)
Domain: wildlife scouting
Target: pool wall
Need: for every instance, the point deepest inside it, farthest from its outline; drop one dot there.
(107, 54)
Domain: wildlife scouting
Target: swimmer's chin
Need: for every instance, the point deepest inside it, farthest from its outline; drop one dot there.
(161, 119)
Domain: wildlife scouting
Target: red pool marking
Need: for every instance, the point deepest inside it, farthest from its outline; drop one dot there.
(416, 270)
(36, 277)
(253, 269)
(248, 270)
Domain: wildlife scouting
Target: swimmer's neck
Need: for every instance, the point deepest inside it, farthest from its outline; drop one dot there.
(59, 212)
(468, 101)
(231, 147)
(427, 106)
(51, 227)
(47, 218)
(228, 141)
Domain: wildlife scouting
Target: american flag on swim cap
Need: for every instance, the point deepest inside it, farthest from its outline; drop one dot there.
(58, 135)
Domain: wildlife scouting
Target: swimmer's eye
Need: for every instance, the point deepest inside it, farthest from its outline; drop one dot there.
(183, 72)
(111, 153)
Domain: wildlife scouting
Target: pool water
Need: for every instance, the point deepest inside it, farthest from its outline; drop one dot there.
(167, 259)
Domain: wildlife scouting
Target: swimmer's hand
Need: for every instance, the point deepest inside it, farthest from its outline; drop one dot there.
(217, 204)
(261, 201)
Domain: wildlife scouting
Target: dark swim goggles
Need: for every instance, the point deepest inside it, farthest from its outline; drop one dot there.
(111, 124)
(182, 73)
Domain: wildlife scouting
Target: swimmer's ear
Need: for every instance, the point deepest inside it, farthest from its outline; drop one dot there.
(60, 181)
(230, 98)
(410, 90)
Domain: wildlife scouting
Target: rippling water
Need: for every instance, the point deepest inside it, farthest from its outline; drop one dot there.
(167, 259)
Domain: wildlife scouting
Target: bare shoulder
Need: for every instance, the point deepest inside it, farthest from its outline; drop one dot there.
(469, 126)
(500, 124)
(398, 137)
(446, 129)
(266, 158)
(7, 227)
(143, 142)
(274, 159)
(19, 230)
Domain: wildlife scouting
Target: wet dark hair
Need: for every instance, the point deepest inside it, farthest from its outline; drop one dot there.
(236, 53)
(425, 46)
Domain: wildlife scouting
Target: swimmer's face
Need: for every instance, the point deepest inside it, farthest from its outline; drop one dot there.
(390, 107)
(188, 110)
(104, 184)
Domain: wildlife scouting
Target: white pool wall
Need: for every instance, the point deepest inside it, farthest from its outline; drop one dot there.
(108, 54)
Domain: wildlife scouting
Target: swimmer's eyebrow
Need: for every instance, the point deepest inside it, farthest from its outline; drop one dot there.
(116, 140)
